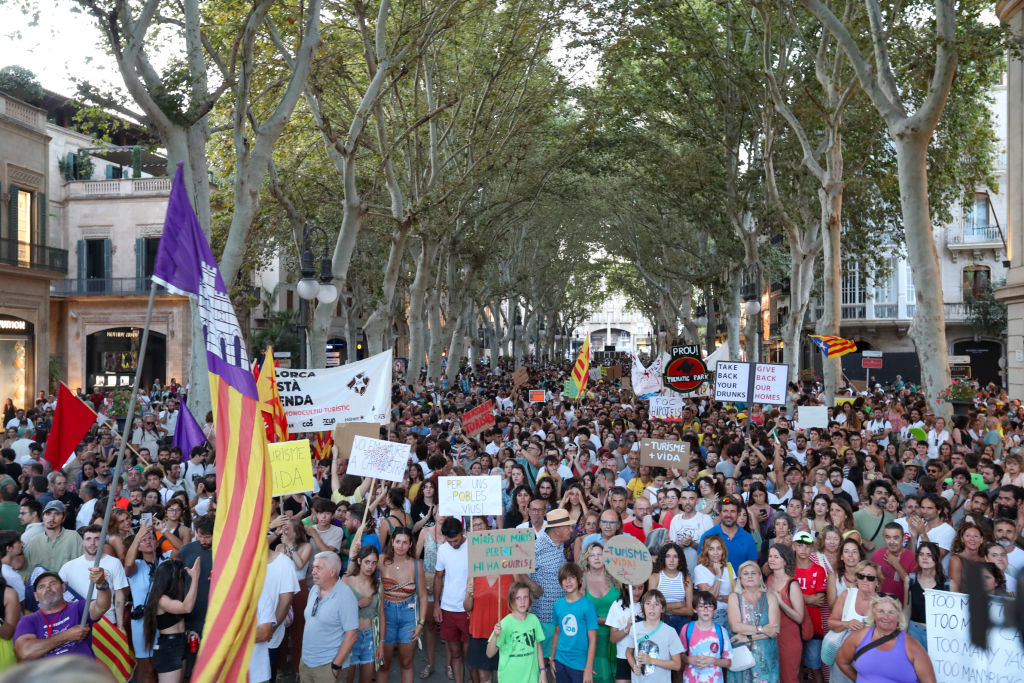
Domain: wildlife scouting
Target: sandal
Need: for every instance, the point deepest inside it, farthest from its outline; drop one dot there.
(427, 670)
(451, 674)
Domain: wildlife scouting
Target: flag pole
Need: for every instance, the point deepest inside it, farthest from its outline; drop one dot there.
(124, 442)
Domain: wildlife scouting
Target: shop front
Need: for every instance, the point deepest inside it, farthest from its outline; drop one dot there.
(17, 358)
(112, 355)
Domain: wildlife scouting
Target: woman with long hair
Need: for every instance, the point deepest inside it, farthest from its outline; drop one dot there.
(396, 515)
(519, 511)
(759, 509)
(818, 517)
(671, 576)
(714, 574)
(118, 529)
(851, 553)
(966, 548)
(841, 516)
(163, 618)
(295, 544)
(709, 492)
(781, 584)
(405, 603)
(362, 579)
(424, 507)
(413, 481)
(754, 619)
(178, 520)
(601, 589)
(139, 565)
(929, 576)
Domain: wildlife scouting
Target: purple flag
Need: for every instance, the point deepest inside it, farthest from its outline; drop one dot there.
(185, 265)
(187, 434)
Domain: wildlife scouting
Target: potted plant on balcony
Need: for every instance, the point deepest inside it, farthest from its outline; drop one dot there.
(961, 393)
(808, 377)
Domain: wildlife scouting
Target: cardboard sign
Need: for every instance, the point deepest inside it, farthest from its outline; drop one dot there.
(812, 416)
(626, 384)
(520, 377)
(667, 408)
(502, 551)
(628, 560)
(378, 459)
(954, 657)
(665, 453)
(536, 395)
(614, 373)
(345, 433)
(291, 469)
(467, 496)
(751, 382)
(478, 419)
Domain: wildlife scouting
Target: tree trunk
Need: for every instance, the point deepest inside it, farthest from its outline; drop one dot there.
(800, 284)
(458, 339)
(417, 305)
(928, 329)
(832, 278)
(732, 316)
(377, 326)
(436, 332)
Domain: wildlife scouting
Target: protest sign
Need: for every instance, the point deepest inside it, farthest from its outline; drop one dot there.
(812, 416)
(595, 375)
(614, 372)
(466, 496)
(664, 453)
(751, 382)
(502, 551)
(536, 395)
(291, 468)
(318, 400)
(569, 389)
(625, 383)
(344, 433)
(668, 408)
(628, 560)
(954, 657)
(520, 377)
(478, 419)
(378, 459)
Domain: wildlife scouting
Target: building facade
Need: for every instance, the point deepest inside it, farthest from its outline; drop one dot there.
(616, 327)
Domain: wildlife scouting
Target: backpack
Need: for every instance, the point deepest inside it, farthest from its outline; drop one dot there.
(688, 631)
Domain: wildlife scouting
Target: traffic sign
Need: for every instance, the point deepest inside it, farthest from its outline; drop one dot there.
(871, 354)
(871, 363)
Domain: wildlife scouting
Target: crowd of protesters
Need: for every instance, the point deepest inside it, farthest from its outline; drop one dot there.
(804, 550)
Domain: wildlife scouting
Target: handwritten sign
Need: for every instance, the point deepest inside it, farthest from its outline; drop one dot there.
(569, 389)
(502, 551)
(536, 395)
(478, 419)
(668, 408)
(291, 469)
(953, 655)
(520, 377)
(378, 459)
(628, 560)
(664, 453)
(464, 496)
(751, 382)
(812, 416)
(732, 382)
(345, 433)
(770, 381)
(626, 383)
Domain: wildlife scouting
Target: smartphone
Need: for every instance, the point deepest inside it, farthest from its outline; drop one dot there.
(147, 519)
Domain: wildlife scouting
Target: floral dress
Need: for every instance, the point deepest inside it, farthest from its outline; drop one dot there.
(765, 651)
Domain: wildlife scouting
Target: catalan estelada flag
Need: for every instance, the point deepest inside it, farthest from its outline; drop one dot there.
(110, 645)
(833, 347)
(582, 368)
(185, 265)
(274, 418)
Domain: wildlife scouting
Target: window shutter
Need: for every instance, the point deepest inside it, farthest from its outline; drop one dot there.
(43, 210)
(81, 265)
(12, 218)
(140, 260)
(108, 264)
(110, 172)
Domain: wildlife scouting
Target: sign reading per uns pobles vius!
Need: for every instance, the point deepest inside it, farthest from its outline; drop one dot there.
(467, 496)
(751, 382)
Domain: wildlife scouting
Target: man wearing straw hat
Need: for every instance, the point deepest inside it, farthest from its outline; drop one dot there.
(543, 582)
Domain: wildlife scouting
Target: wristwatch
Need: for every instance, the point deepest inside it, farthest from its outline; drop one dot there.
(103, 587)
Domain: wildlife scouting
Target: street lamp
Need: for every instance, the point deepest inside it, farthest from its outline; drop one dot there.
(308, 288)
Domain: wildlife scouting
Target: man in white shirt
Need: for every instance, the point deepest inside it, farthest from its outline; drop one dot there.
(799, 451)
(688, 526)
(323, 534)
(450, 579)
(30, 516)
(880, 428)
(19, 420)
(169, 416)
(932, 526)
(75, 574)
(11, 553)
(89, 493)
(937, 435)
(535, 516)
(279, 589)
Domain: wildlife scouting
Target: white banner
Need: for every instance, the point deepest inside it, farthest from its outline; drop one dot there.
(954, 656)
(379, 459)
(647, 381)
(668, 408)
(318, 400)
(465, 496)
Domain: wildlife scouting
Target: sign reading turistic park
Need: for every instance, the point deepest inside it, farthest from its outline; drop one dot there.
(686, 371)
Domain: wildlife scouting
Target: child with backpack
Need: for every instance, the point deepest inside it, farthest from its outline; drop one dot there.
(658, 650)
(707, 647)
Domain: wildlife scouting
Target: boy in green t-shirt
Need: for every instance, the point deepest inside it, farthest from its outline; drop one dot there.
(518, 637)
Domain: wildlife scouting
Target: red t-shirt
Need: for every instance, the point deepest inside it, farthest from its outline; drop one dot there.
(812, 580)
(891, 581)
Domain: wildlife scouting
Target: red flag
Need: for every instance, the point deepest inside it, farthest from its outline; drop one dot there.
(71, 421)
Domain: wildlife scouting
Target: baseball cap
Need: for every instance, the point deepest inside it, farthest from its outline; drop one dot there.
(54, 505)
(802, 537)
(43, 576)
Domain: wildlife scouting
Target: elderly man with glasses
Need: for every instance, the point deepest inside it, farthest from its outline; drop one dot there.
(332, 624)
(149, 434)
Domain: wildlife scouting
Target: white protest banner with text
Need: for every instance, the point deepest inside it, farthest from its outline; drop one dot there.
(466, 496)
(318, 400)
(954, 657)
(770, 383)
(732, 380)
(378, 459)
(668, 408)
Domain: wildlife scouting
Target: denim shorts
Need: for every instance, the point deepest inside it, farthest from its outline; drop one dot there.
(362, 651)
(399, 620)
(812, 653)
(919, 633)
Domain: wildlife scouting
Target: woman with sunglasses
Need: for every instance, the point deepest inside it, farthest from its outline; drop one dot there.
(851, 609)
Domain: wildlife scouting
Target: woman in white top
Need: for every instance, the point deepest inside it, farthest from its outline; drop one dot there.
(671, 578)
(714, 574)
(852, 608)
(851, 553)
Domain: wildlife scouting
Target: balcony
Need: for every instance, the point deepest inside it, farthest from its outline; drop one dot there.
(975, 238)
(956, 312)
(123, 187)
(99, 286)
(31, 255)
(23, 113)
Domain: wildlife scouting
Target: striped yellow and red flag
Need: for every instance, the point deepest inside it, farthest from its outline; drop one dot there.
(274, 418)
(582, 368)
(110, 645)
(185, 265)
(322, 445)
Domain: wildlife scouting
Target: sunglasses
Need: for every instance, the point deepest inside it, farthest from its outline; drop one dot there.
(867, 577)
